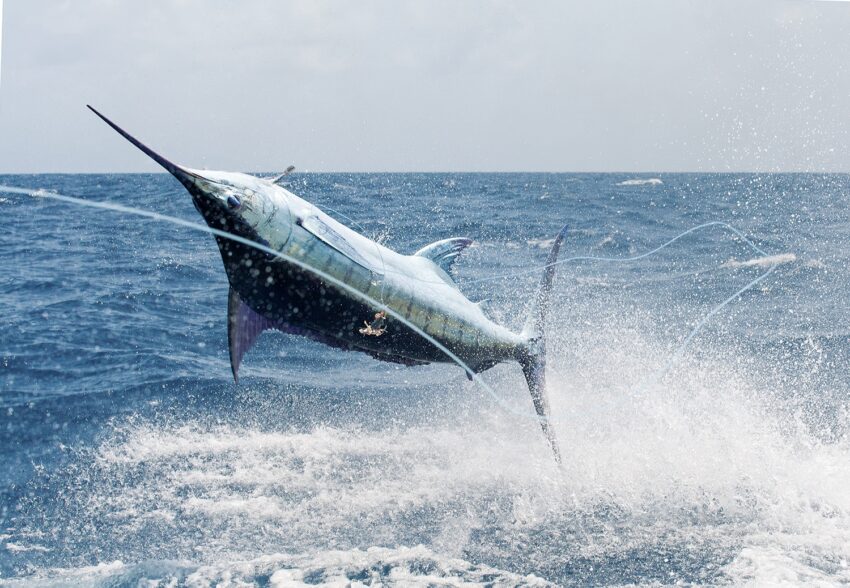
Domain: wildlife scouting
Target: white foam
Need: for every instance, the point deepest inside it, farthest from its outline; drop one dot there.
(772, 565)
(80, 576)
(403, 567)
(416, 567)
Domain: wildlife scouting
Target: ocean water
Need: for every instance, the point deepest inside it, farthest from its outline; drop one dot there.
(128, 456)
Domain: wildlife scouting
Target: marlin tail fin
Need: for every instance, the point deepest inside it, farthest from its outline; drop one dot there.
(532, 357)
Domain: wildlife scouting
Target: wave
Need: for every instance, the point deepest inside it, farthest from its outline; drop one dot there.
(641, 182)
(326, 467)
(376, 566)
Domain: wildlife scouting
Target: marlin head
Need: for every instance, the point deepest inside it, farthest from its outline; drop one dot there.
(237, 203)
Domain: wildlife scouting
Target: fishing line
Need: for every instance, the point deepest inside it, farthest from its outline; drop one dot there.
(536, 269)
(260, 247)
(644, 255)
(676, 355)
(368, 299)
(673, 357)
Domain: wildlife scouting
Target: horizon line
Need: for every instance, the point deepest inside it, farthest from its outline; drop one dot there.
(332, 172)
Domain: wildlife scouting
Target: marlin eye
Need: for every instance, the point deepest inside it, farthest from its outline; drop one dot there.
(233, 201)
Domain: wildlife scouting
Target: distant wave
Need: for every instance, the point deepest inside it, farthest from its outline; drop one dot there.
(641, 182)
(763, 261)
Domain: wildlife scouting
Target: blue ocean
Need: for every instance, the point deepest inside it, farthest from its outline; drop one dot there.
(700, 394)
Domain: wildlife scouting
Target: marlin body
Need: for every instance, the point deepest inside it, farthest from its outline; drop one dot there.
(270, 292)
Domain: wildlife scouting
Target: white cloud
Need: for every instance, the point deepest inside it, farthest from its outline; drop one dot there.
(1, 42)
(427, 85)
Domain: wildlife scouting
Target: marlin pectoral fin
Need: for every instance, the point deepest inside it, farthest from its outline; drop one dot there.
(243, 327)
(322, 231)
(444, 253)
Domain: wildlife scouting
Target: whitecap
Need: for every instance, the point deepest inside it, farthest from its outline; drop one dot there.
(763, 261)
(641, 182)
(18, 548)
(541, 243)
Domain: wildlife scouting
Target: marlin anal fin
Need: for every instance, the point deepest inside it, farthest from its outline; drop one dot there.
(444, 253)
(243, 327)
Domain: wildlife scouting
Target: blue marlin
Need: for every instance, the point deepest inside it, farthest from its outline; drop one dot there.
(269, 292)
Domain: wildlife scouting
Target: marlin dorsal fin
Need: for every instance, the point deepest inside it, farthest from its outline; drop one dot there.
(276, 179)
(444, 253)
(243, 327)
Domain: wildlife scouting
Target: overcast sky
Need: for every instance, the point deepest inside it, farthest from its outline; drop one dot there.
(608, 85)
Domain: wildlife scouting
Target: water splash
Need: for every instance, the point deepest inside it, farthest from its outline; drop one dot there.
(711, 481)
